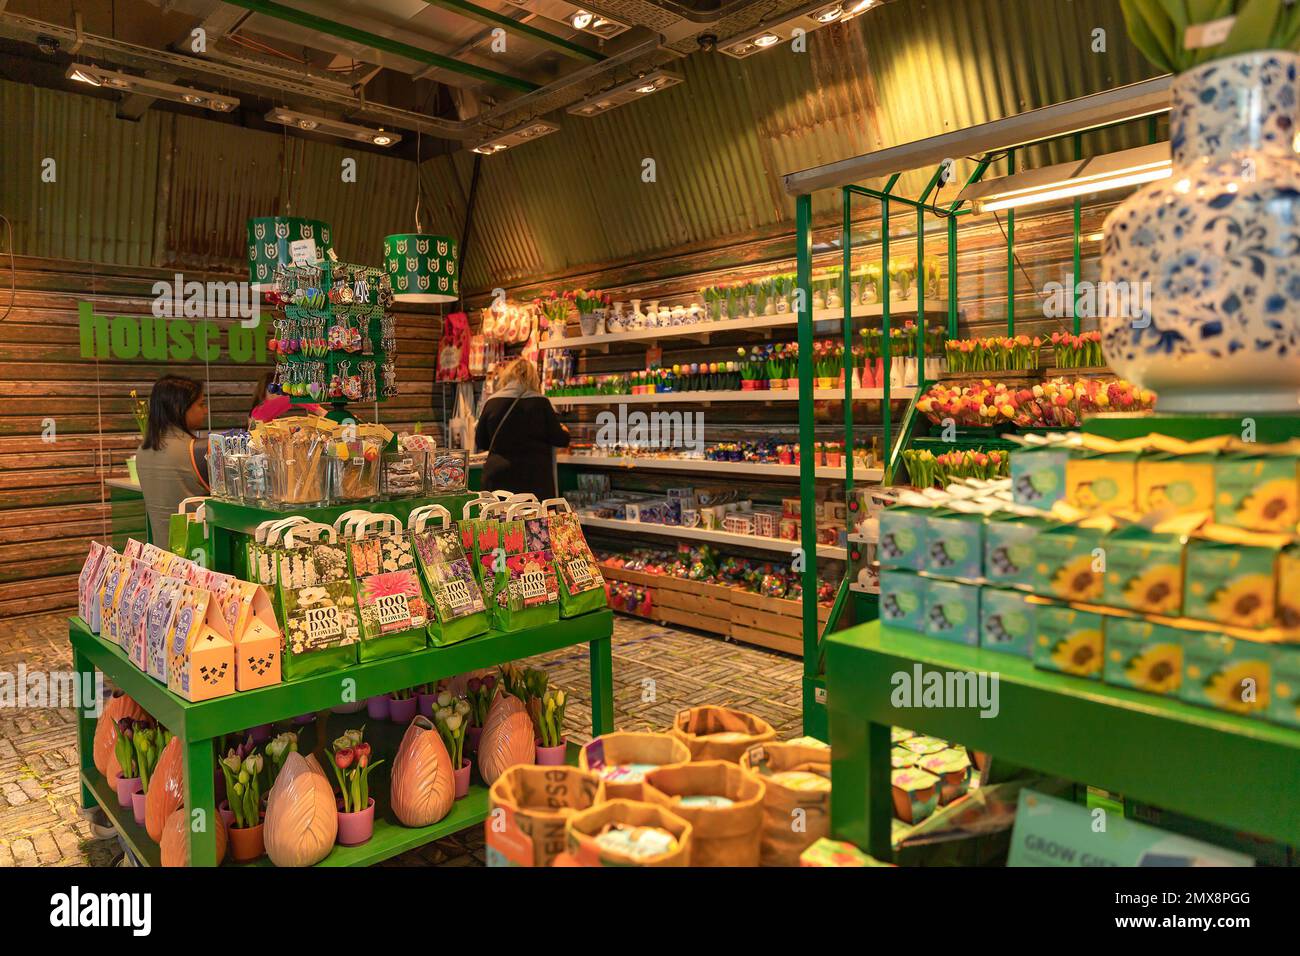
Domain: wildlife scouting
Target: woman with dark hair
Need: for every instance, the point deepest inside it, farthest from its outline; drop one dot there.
(171, 462)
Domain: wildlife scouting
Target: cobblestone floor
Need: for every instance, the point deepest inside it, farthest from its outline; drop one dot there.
(657, 671)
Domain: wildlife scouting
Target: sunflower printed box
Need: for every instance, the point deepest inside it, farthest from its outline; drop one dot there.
(1258, 490)
(1069, 560)
(1226, 672)
(903, 537)
(1231, 577)
(903, 598)
(1068, 640)
(1007, 621)
(1101, 481)
(1284, 703)
(1009, 547)
(1144, 566)
(1143, 655)
(952, 612)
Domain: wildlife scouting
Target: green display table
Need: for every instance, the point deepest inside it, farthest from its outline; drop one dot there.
(197, 725)
(1235, 771)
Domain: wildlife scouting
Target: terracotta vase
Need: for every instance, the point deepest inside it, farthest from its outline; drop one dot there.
(115, 708)
(301, 819)
(175, 842)
(246, 843)
(507, 738)
(357, 828)
(423, 788)
(166, 789)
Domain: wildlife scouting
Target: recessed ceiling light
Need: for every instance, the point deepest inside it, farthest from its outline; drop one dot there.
(333, 127)
(382, 139)
(145, 86)
(647, 88)
(306, 124)
(829, 15)
(651, 82)
(860, 5)
(766, 39)
(84, 76)
(581, 20)
(513, 137)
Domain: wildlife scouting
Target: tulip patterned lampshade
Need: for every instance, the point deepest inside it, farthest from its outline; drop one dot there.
(422, 268)
(271, 240)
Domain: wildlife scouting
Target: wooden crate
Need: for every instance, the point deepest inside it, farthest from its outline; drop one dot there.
(776, 642)
(703, 622)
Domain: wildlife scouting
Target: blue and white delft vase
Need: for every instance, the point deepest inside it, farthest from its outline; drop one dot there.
(1219, 244)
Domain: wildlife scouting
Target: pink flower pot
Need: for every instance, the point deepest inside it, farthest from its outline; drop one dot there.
(462, 778)
(472, 734)
(377, 707)
(428, 703)
(551, 756)
(402, 711)
(126, 786)
(226, 814)
(356, 828)
(137, 807)
(260, 734)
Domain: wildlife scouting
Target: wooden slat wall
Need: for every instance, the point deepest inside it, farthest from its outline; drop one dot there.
(53, 500)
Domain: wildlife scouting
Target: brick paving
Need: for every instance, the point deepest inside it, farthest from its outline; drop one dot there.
(658, 670)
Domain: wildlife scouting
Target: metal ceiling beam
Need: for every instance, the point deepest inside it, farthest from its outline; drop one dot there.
(375, 42)
(216, 24)
(1060, 119)
(490, 17)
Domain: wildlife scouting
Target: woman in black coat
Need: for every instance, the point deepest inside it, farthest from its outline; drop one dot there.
(520, 432)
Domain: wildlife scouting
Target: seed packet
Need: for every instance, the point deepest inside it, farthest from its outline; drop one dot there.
(116, 571)
(157, 622)
(320, 622)
(89, 582)
(582, 588)
(133, 636)
(390, 600)
(524, 589)
(455, 598)
(261, 550)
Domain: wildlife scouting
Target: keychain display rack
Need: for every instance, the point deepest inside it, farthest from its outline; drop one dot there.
(334, 338)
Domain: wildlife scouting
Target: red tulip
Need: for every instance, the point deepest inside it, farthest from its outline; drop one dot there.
(344, 758)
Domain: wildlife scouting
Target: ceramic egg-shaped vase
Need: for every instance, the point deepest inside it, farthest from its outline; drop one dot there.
(507, 738)
(1215, 248)
(166, 792)
(114, 709)
(423, 788)
(175, 842)
(301, 815)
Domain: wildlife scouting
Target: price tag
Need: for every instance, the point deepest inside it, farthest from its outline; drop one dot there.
(1210, 33)
(303, 252)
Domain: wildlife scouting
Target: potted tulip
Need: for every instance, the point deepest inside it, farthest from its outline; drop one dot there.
(129, 781)
(402, 705)
(145, 740)
(278, 750)
(452, 720)
(480, 692)
(350, 759)
(244, 799)
(551, 744)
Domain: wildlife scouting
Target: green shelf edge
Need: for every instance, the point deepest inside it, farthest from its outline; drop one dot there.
(244, 709)
(1237, 771)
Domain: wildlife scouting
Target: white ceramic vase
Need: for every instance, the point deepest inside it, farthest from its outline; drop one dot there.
(1212, 253)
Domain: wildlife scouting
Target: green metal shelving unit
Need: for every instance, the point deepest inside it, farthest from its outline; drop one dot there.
(200, 725)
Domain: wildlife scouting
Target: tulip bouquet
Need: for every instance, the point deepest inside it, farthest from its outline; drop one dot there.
(1055, 403)
(146, 741)
(278, 750)
(551, 724)
(452, 720)
(554, 307)
(352, 766)
(993, 354)
(588, 301)
(1077, 351)
(927, 469)
(480, 692)
(124, 748)
(244, 787)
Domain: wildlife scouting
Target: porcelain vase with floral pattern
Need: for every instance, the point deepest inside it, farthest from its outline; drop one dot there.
(1216, 246)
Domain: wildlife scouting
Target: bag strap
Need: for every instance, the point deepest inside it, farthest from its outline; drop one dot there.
(497, 431)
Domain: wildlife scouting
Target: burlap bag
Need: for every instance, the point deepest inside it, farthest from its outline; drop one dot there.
(528, 808)
(720, 733)
(787, 833)
(624, 747)
(721, 836)
(583, 827)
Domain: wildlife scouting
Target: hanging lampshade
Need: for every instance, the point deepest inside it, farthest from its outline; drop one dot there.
(270, 241)
(421, 268)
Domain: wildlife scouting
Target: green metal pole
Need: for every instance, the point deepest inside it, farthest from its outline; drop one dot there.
(1011, 253)
(1078, 240)
(375, 42)
(952, 276)
(884, 325)
(490, 17)
(920, 297)
(807, 461)
(846, 238)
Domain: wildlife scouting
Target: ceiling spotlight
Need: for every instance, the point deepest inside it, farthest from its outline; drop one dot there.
(829, 15)
(513, 137)
(766, 40)
(340, 128)
(859, 5)
(813, 16)
(581, 20)
(627, 92)
(601, 26)
(98, 76)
